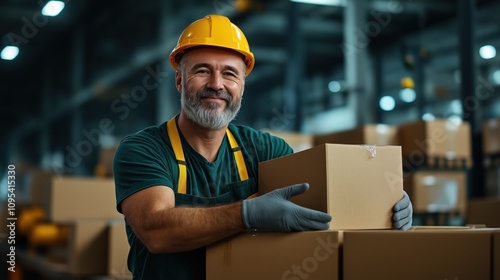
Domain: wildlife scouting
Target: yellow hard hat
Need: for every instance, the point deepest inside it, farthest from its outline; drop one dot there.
(216, 31)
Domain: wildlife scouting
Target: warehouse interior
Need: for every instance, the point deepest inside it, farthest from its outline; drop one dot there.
(75, 83)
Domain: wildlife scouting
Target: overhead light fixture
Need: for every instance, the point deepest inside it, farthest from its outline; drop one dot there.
(53, 8)
(334, 86)
(487, 52)
(322, 2)
(408, 95)
(428, 117)
(496, 77)
(387, 103)
(9, 52)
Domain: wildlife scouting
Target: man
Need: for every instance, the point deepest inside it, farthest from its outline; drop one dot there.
(191, 181)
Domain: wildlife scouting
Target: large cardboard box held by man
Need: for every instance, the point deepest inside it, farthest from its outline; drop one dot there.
(418, 254)
(312, 255)
(357, 184)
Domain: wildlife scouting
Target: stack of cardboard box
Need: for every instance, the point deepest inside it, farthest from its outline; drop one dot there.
(357, 185)
(491, 152)
(95, 241)
(485, 209)
(437, 159)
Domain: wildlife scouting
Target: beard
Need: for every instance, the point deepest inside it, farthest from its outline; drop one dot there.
(208, 116)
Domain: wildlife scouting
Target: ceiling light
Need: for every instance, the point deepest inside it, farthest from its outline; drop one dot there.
(334, 86)
(322, 2)
(408, 95)
(496, 77)
(387, 103)
(487, 52)
(9, 52)
(52, 8)
(428, 117)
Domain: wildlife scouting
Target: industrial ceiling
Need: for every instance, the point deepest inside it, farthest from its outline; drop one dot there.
(91, 54)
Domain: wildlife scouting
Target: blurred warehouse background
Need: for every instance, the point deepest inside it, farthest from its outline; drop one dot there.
(319, 68)
(74, 83)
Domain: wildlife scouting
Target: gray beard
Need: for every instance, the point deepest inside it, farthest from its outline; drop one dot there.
(209, 117)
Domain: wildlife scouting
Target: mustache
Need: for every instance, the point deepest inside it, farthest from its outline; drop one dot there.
(214, 93)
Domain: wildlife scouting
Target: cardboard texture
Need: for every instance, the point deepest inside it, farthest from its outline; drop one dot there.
(356, 187)
(436, 139)
(419, 254)
(87, 249)
(118, 249)
(312, 255)
(437, 191)
(373, 134)
(491, 136)
(484, 211)
(74, 198)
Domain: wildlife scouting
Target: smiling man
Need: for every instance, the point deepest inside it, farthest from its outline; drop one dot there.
(191, 181)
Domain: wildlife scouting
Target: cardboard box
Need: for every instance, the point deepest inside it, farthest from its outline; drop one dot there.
(357, 184)
(491, 136)
(438, 139)
(419, 254)
(484, 211)
(492, 181)
(118, 249)
(39, 184)
(374, 134)
(496, 256)
(271, 255)
(72, 198)
(437, 191)
(104, 166)
(298, 141)
(87, 249)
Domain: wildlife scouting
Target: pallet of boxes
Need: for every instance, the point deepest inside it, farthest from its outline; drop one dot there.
(357, 184)
(437, 161)
(485, 210)
(73, 229)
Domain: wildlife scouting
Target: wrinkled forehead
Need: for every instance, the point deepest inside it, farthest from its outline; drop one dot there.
(206, 51)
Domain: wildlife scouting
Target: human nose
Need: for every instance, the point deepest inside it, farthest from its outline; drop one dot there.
(216, 81)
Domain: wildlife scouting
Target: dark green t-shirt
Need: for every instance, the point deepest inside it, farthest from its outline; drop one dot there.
(146, 159)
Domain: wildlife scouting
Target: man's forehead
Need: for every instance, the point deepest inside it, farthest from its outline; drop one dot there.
(202, 52)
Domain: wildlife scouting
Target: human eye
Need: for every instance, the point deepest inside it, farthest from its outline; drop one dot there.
(202, 71)
(230, 74)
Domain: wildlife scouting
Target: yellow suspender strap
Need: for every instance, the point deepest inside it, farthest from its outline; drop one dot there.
(238, 156)
(175, 140)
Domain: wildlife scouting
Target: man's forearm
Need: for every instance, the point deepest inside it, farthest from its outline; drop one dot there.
(186, 228)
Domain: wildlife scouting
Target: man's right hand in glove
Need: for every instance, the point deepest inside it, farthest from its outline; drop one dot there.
(274, 211)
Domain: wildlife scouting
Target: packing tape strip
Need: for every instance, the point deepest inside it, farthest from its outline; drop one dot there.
(372, 149)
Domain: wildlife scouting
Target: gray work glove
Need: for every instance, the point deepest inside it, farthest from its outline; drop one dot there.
(273, 211)
(403, 213)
